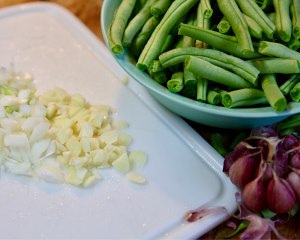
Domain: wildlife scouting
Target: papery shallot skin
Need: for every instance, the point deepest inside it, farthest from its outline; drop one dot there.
(254, 195)
(271, 158)
(244, 170)
(281, 198)
(294, 180)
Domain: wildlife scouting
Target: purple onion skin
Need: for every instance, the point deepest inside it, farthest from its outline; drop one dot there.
(254, 195)
(281, 198)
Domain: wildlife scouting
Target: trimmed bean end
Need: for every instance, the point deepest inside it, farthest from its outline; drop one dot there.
(280, 105)
(117, 49)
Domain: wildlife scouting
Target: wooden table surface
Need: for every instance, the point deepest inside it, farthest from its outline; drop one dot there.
(88, 11)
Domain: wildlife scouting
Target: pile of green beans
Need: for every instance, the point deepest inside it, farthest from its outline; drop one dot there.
(231, 53)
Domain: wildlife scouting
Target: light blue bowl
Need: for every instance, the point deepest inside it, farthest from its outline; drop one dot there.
(216, 116)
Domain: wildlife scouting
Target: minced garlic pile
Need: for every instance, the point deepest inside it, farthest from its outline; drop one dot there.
(60, 138)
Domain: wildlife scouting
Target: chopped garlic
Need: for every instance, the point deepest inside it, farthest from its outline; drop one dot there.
(136, 177)
(58, 137)
(139, 158)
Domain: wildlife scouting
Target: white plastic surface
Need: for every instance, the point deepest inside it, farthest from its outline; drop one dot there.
(183, 171)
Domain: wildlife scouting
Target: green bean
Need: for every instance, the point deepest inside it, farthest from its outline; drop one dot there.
(213, 97)
(203, 21)
(206, 9)
(141, 39)
(137, 23)
(138, 6)
(188, 41)
(175, 84)
(217, 142)
(231, 11)
(174, 13)
(238, 66)
(118, 25)
(160, 7)
(295, 12)
(244, 98)
(272, 17)
(214, 73)
(294, 44)
(190, 84)
(202, 84)
(275, 65)
(290, 122)
(295, 93)
(155, 66)
(277, 50)
(251, 9)
(287, 86)
(264, 4)
(272, 91)
(254, 29)
(223, 26)
(282, 19)
(216, 40)
(160, 76)
(167, 44)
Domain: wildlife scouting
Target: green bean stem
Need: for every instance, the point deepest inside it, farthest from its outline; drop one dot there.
(204, 69)
(294, 44)
(175, 12)
(206, 9)
(224, 26)
(213, 97)
(160, 7)
(137, 23)
(202, 89)
(244, 98)
(287, 86)
(295, 12)
(277, 50)
(141, 39)
(273, 93)
(234, 16)
(283, 21)
(275, 65)
(217, 40)
(295, 92)
(175, 84)
(118, 25)
(251, 9)
(237, 65)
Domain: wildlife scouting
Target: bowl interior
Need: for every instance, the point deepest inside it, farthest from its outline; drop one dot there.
(203, 113)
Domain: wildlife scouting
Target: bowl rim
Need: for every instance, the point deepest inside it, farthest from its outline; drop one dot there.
(146, 81)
